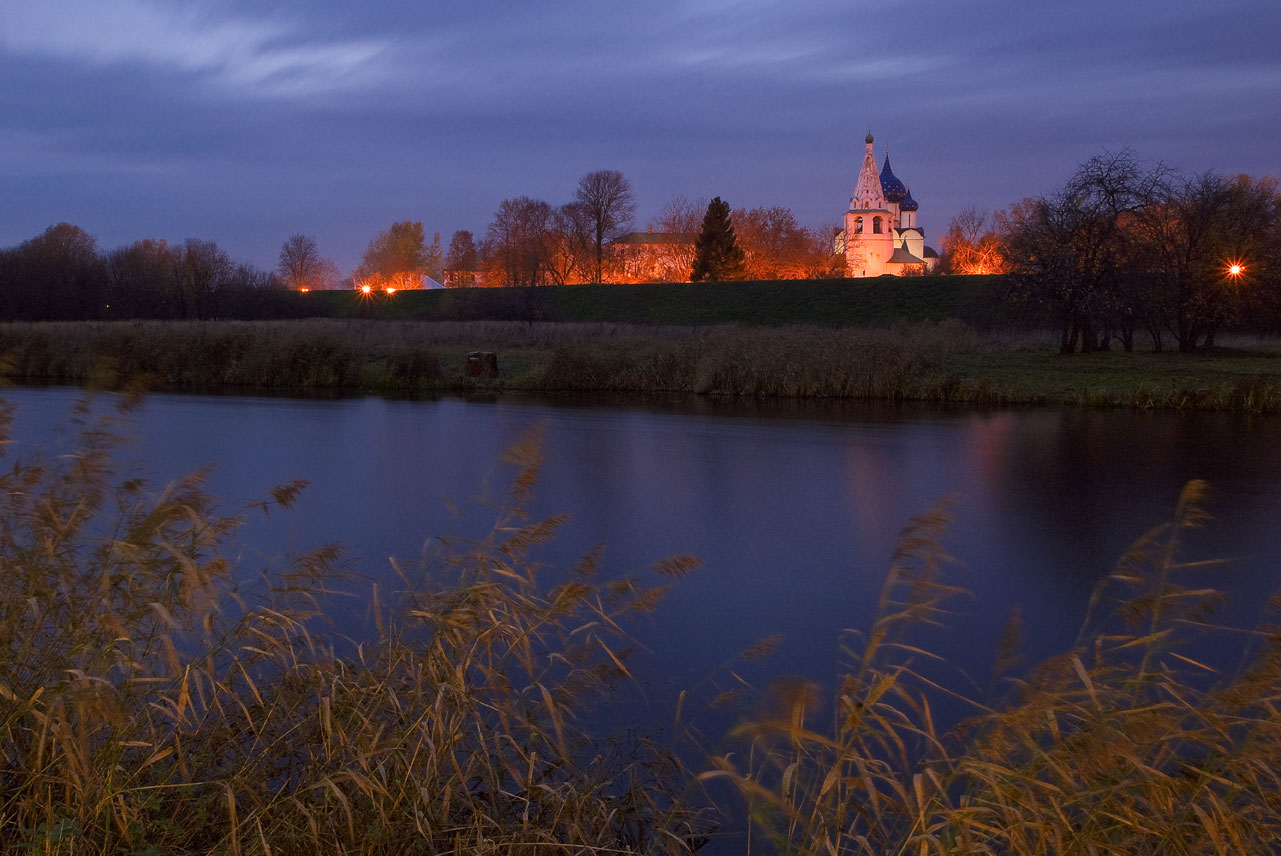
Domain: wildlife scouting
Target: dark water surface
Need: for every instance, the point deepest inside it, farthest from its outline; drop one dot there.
(794, 508)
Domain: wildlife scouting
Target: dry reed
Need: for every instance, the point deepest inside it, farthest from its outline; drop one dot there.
(155, 698)
(1128, 743)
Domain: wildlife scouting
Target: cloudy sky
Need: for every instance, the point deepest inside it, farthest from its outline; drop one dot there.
(246, 122)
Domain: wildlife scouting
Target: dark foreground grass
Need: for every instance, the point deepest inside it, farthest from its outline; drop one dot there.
(157, 698)
(976, 300)
(943, 362)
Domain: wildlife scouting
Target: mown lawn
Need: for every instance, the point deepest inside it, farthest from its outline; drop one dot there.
(1046, 375)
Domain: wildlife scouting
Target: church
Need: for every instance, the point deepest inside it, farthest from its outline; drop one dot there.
(880, 235)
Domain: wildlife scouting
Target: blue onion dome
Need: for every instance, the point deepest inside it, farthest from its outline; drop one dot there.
(891, 188)
(908, 203)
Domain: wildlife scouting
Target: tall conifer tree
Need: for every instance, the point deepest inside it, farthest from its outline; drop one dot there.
(717, 255)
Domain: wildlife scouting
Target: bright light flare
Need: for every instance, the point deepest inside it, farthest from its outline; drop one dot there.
(391, 290)
(366, 289)
(1235, 269)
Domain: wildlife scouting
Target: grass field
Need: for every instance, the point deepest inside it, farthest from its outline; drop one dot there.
(944, 362)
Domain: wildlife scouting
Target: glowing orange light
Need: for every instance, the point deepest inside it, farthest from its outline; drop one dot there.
(1235, 270)
(391, 291)
(304, 289)
(366, 289)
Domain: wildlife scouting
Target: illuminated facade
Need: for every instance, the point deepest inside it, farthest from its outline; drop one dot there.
(881, 235)
(650, 257)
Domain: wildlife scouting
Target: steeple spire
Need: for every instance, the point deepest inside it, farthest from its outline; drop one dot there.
(867, 192)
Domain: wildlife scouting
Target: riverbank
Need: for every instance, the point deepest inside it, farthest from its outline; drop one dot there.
(942, 362)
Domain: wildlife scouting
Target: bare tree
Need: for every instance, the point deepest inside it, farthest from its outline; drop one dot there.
(142, 280)
(676, 225)
(972, 245)
(1189, 238)
(607, 206)
(204, 271)
(775, 245)
(301, 267)
(570, 251)
(519, 241)
(1073, 250)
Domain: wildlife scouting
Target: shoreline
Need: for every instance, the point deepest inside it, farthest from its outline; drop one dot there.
(943, 363)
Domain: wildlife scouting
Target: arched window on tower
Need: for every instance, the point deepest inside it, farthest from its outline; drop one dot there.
(876, 225)
(858, 225)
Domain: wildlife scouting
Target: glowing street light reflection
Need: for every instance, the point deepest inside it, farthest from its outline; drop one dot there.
(1235, 269)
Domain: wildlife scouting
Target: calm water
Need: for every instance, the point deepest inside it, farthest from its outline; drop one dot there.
(795, 508)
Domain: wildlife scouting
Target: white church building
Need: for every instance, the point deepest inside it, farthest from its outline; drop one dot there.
(881, 235)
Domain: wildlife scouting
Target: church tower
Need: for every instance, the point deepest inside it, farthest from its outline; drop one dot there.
(869, 224)
(881, 235)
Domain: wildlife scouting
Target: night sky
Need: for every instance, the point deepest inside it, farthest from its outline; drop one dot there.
(245, 122)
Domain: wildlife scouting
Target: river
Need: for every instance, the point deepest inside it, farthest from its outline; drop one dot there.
(793, 507)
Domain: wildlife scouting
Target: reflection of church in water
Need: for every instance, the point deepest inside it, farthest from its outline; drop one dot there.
(880, 234)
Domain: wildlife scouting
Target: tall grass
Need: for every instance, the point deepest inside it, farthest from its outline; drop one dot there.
(345, 356)
(156, 698)
(1128, 743)
(942, 362)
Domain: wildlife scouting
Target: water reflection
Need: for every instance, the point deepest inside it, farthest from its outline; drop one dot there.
(794, 507)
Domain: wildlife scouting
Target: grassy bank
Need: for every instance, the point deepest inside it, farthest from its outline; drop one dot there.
(945, 362)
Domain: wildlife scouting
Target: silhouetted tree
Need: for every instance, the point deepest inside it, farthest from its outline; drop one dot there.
(462, 260)
(717, 255)
(142, 281)
(1190, 236)
(462, 251)
(1072, 250)
(57, 275)
(302, 267)
(204, 272)
(604, 208)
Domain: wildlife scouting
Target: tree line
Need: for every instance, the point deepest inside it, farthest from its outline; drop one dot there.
(1126, 249)
(531, 242)
(1122, 250)
(61, 275)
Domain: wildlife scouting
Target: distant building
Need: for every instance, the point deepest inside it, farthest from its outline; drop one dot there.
(464, 277)
(881, 235)
(650, 257)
